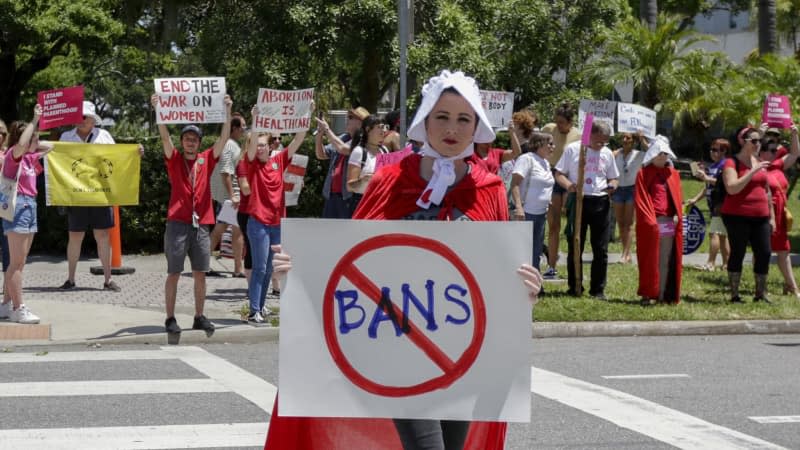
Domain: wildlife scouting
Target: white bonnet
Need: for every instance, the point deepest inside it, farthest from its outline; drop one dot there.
(657, 146)
(467, 87)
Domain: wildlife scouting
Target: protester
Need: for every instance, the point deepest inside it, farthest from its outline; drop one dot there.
(563, 133)
(440, 182)
(628, 160)
(493, 158)
(780, 161)
(659, 226)
(747, 212)
(521, 127)
(363, 156)
(337, 197)
(3, 136)
(600, 180)
(718, 235)
(189, 214)
(533, 178)
(99, 218)
(266, 207)
(224, 187)
(392, 138)
(21, 163)
(242, 214)
(3, 240)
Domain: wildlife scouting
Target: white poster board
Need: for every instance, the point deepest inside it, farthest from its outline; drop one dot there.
(283, 111)
(634, 118)
(602, 110)
(499, 106)
(190, 100)
(466, 355)
(293, 178)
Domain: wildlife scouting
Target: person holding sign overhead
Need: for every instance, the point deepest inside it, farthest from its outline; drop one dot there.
(266, 205)
(440, 182)
(99, 218)
(190, 214)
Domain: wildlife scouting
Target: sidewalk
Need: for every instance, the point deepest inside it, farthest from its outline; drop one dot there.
(88, 314)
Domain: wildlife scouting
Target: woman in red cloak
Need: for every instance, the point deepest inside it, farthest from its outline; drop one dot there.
(659, 226)
(440, 182)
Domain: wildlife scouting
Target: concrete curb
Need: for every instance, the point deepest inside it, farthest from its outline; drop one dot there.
(674, 328)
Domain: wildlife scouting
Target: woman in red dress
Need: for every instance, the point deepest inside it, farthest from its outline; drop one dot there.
(440, 182)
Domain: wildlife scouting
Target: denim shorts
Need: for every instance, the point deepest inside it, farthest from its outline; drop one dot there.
(623, 194)
(24, 216)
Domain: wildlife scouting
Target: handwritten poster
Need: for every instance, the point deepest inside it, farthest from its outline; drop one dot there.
(190, 100)
(61, 107)
(634, 118)
(283, 111)
(499, 107)
(601, 110)
(777, 111)
(405, 319)
(293, 178)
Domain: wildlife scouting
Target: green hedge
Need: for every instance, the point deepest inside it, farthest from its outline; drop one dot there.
(143, 225)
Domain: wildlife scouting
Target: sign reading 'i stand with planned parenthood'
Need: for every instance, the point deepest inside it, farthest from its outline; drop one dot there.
(190, 100)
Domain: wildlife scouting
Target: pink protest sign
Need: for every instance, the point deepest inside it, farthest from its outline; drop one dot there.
(387, 159)
(586, 138)
(61, 107)
(777, 111)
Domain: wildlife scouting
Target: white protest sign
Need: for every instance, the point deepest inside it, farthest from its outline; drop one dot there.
(405, 319)
(293, 178)
(601, 110)
(499, 107)
(283, 111)
(634, 118)
(190, 100)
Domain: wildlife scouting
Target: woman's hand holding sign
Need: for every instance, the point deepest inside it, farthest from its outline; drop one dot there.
(532, 280)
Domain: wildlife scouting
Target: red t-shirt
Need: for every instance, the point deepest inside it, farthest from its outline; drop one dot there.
(660, 195)
(338, 173)
(267, 201)
(752, 200)
(493, 160)
(184, 193)
(241, 172)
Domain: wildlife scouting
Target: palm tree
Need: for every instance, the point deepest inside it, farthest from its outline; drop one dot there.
(767, 27)
(648, 12)
(653, 60)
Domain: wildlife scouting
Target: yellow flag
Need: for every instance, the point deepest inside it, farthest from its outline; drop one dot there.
(79, 174)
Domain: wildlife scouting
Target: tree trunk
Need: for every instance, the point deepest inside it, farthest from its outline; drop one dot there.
(648, 12)
(767, 28)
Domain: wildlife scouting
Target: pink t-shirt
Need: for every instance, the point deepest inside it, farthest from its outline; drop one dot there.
(27, 175)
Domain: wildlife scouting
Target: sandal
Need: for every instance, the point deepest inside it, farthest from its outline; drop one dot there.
(648, 302)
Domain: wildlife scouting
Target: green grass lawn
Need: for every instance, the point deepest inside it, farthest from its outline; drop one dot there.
(704, 295)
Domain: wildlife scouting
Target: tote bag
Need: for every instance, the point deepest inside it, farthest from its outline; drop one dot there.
(8, 194)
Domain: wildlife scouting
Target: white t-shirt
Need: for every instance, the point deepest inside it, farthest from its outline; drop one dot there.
(600, 167)
(628, 166)
(368, 169)
(539, 180)
(231, 154)
(96, 136)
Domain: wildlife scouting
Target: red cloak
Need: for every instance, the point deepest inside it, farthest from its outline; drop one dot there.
(647, 236)
(392, 194)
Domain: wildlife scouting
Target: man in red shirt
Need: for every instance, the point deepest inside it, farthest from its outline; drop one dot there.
(190, 214)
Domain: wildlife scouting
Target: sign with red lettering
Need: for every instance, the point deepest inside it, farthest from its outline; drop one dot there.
(405, 319)
(293, 178)
(499, 106)
(283, 111)
(190, 100)
(777, 111)
(61, 107)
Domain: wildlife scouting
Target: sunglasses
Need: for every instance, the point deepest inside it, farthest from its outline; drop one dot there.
(715, 150)
(754, 141)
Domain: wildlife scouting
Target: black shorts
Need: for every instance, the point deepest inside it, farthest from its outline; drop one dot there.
(80, 218)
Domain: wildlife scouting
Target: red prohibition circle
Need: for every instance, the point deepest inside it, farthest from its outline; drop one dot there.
(452, 371)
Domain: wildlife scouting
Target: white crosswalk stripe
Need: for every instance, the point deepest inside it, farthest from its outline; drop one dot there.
(222, 376)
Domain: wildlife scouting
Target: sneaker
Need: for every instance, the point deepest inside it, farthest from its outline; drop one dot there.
(214, 273)
(256, 318)
(23, 315)
(5, 309)
(274, 294)
(111, 286)
(202, 323)
(67, 285)
(172, 326)
(239, 275)
(551, 274)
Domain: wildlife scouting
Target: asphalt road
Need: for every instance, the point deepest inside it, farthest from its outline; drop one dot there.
(592, 393)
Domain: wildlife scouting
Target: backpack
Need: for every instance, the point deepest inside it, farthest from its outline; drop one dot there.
(719, 192)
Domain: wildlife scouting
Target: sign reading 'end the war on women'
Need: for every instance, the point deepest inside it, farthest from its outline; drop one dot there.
(61, 107)
(777, 111)
(190, 100)
(406, 319)
(283, 111)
